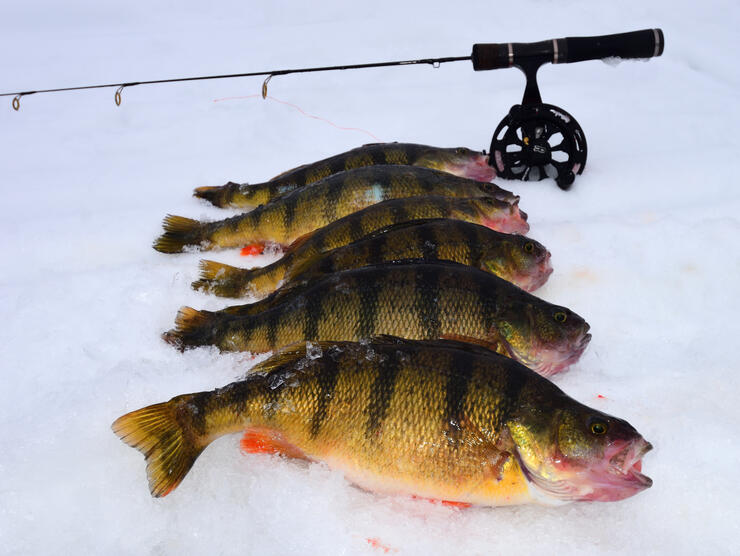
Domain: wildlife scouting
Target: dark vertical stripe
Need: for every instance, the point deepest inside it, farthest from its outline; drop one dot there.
(338, 164)
(272, 322)
(290, 202)
(198, 413)
(399, 212)
(313, 314)
(273, 188)
(470, 236)
(381, 393)
(327, 379)
(427, 305)
(515, 382)
(246, 328)
(336, 186)
(368, 309)
(428, 243)
(456, 392)
(302, 178)
(356, 230)
(386, 188)
(428, 181)
(376, 248)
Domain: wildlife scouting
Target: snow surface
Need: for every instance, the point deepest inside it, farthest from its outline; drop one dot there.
(644, 247)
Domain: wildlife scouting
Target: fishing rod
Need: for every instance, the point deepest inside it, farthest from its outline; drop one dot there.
(270, 74)
(524, 144)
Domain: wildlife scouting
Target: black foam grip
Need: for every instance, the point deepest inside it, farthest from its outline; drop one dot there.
(490, 56)
(636, 44)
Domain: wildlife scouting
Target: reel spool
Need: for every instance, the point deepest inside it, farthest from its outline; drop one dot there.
(535, 140)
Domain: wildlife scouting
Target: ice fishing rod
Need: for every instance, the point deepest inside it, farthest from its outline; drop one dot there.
(524, 143)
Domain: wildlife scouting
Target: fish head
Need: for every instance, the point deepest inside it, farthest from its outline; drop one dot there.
(500, 215)
(519, 260)
(577, 453)
(546, 338)
(460, 161)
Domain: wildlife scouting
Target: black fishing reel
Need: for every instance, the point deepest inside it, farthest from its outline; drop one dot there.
(535, 141)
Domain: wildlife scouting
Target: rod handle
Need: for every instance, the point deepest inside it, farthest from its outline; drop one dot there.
(635, 44)
(646, 43)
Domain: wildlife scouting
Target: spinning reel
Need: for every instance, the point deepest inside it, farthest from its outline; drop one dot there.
(536, 140)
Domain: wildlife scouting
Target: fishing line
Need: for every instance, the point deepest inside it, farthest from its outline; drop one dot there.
(535, 140)
(303, 113)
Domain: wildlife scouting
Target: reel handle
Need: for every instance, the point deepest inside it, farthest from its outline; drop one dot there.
(646, 43)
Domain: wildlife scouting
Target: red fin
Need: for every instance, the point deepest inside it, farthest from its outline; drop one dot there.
(448, 503)
(252, 249)
(453, 504)
(268, 441)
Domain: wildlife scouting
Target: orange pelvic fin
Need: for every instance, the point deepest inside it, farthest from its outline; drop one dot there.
(268, 441)
(453, 504)
(252, 249)
(448, 503)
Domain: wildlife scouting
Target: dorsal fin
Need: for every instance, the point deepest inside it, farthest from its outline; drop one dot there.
(400, 226)
(292, 287)
(469, 347)
(292, 353)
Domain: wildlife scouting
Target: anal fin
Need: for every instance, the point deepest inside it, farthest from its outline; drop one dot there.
(252, 249)
(448, 503)
(269, 441)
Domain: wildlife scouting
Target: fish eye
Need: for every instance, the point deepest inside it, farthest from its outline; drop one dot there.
(560, 316)
(598, 428)
(460, 150)
(529, 247)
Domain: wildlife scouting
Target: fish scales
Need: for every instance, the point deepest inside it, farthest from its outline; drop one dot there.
(412, 300)
(444, 420)
(378, 411)
(311, 207)
(230, 281)
(518, 259)
(460, 161)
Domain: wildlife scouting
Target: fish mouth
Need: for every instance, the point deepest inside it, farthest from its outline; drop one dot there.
(513, 221)
(532, 281)
(477, 169)
(558, 358)
(623, 477)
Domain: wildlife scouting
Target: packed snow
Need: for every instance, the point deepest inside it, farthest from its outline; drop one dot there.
(644, 247)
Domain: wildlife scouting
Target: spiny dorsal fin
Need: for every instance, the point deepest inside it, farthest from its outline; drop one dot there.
(399, 226)
(470, 345)
(292, 287)
(293, 353)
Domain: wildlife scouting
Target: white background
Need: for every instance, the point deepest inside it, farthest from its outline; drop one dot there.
(645, 247)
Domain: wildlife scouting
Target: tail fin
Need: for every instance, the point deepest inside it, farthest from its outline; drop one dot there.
(162, 433)
(178, 233)
(219, 196)
(192, 328)
(230, 281)
(222, 279)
